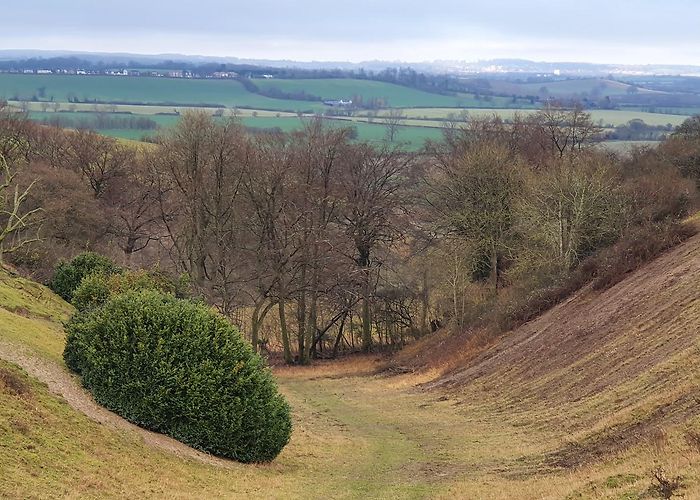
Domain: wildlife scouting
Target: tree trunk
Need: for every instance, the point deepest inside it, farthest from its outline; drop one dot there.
(366, 294)
(311, 328)
(301, 317)
(285, 334)
(339, 337)
(259, 314)
(366, 325)
(352, 332)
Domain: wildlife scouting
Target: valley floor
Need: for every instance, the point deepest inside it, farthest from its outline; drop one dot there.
(510, 425)
(367, 436)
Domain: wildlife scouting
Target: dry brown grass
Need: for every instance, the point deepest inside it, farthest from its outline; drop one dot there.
(355, 365)
(583, 402)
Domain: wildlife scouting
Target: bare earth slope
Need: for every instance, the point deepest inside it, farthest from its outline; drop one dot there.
(608, 369)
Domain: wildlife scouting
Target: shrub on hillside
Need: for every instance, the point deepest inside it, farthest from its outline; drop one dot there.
(92, 292)
(69, 275)
(176, 367)
(96, 289)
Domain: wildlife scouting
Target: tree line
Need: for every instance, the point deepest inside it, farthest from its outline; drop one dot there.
(316, 244)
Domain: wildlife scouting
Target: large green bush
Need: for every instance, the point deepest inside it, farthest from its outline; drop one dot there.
(96, 289)
(69, 275)
(176, 367)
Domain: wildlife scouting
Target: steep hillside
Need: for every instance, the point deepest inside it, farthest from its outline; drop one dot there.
(604, 374)
(613, 368)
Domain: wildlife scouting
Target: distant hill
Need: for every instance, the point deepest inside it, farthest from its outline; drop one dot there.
(493, 66)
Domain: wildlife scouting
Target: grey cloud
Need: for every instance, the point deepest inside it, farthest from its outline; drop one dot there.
(622, 22)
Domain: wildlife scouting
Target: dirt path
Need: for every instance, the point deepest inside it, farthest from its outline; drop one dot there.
(63, 384)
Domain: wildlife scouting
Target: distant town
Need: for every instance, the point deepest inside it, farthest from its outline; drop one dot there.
(161, 73)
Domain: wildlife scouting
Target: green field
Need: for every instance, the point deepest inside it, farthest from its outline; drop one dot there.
(160, 99)
(591, 87)
(411, 136)
(610, 117)
(395, 96)
(161, 120)
(421, 123)
(173, 92)
(142, 109)
(142, 90)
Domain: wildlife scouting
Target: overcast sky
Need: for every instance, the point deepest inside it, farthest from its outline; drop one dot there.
(604, 31)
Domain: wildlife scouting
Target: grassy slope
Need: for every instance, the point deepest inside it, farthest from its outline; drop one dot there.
(344, 433)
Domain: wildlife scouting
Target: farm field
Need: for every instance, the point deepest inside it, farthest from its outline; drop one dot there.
(627, 146)
(141, 109)
(395, 96)
(590, 87)
(413, 135)
(611, 117)
(425, 112)
(88, 117)
(156, 91)
(143, 90)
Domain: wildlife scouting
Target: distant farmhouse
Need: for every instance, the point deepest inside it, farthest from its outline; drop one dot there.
(224, 74)
(341, 103)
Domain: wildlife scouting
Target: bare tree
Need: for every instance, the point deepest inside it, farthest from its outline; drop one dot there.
(100, 159)
(14, 220)
(15, 132)
(317, 152)
(393, 121)
(565, 130)
(273, 224)
(133, 203)
(373, 183)
(473, 195)
(571, 206)
(201, 171)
